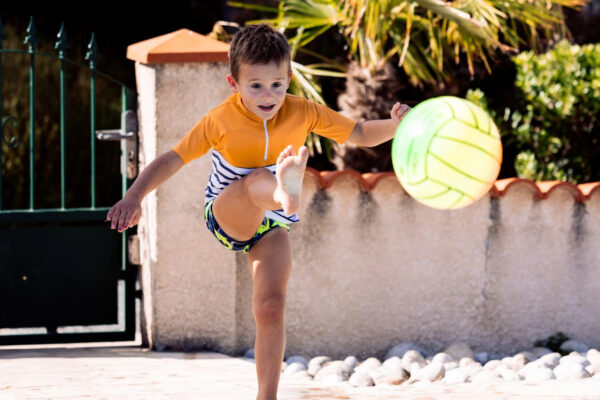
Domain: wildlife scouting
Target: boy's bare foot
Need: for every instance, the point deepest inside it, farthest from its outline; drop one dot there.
(289, 174)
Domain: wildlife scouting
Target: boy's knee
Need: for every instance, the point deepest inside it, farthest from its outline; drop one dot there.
(269, 309)
(259, 174)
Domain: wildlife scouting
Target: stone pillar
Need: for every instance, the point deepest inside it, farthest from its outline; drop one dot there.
(188, 283)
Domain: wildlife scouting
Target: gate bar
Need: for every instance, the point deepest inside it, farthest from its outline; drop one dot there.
(92, 55)
(31, 39)
(62, 45)
(2, 37)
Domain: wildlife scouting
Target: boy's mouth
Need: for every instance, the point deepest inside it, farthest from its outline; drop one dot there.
(267, 108)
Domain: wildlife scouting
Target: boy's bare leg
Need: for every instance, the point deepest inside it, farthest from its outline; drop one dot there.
(271, 263)
(240, 207)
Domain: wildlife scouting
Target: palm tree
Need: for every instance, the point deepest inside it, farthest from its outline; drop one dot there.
(425, 39)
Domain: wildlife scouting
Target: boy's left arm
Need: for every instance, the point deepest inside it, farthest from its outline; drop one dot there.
(374, 132)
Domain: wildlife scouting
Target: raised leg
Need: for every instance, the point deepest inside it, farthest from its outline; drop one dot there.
(240, 207)
(271, 264)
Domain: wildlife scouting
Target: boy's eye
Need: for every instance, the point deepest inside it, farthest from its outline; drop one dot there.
(277, 84)
(255, 86)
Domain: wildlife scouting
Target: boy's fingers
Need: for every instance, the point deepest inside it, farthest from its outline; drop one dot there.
(124, 218)
(132, 218)
(115, 218)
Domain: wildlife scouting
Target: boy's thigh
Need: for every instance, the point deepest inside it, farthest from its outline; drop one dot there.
(235, 213)
(271, 262)
(265, 228)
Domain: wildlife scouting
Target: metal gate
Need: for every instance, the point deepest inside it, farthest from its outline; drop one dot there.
(65, 276)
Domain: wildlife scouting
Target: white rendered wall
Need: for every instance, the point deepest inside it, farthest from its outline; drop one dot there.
(370, 268)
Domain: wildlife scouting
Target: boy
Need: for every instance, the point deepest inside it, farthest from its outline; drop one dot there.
(254, 189)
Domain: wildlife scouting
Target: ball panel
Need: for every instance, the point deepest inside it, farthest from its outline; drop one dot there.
(469, 160)
(447, 200)
(425, 188)
(484, 122)
(475, 139)
(460, 110)
(443, 173)
(409, 149)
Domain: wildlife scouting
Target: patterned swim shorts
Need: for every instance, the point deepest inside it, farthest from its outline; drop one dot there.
(233, 244)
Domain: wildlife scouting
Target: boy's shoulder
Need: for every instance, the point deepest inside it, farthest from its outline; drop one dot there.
(296, 101)
(223, 106)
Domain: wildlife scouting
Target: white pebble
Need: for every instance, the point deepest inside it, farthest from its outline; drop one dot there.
(575, 359)
(316, 363)
(515, 363)
(450, 365)
(401, 349)
(507, 373)
(492, 365)
(550, 360)
(351, 361)
(295, 359)
(411, 357)
(593, 356)
(540, 374)
(392, 364)
(389, 375)
(485, 376)
(570, 370)
(456, 375)
(333, 372)
(531, 367)
(368, 365)
(442, 358)
(361, 379)
(302, 375)
(294, 367)
(431, 373)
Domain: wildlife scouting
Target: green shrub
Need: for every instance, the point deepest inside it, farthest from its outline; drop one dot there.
(553, 122)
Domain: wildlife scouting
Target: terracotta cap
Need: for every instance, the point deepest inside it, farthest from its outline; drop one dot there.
(541, 190)
(179, 46)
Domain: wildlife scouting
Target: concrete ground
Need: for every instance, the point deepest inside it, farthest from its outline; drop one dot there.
(128, 372)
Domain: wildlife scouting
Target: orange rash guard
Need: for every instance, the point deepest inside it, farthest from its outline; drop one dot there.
(241, 141)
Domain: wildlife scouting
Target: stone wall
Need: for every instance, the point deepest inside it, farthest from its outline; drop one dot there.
(373, 267)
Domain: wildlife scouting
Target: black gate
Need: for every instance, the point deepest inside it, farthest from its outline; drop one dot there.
(64, 275)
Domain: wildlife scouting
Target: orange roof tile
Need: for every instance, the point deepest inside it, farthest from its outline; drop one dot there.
(179, 46)
(541, 190)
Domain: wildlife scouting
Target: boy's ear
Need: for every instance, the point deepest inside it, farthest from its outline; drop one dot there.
(232, 83)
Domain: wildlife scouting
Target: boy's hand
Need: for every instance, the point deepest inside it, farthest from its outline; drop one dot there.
(398, 112)
(125, 214)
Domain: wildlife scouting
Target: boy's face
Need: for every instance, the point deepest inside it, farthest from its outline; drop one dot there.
(262, 87)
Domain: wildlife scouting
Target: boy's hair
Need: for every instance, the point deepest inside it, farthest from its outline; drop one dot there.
(257, 44)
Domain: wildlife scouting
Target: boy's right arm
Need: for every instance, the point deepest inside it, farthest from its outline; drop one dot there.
(127, 211)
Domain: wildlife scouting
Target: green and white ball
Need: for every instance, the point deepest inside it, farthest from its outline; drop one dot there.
(447, 152)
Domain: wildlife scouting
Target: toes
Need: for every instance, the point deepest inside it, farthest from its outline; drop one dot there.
(303, 153)
(290, 150)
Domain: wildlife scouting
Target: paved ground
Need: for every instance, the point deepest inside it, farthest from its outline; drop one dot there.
(134, 373)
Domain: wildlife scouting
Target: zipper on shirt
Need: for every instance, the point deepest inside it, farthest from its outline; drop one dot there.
(266, 138)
